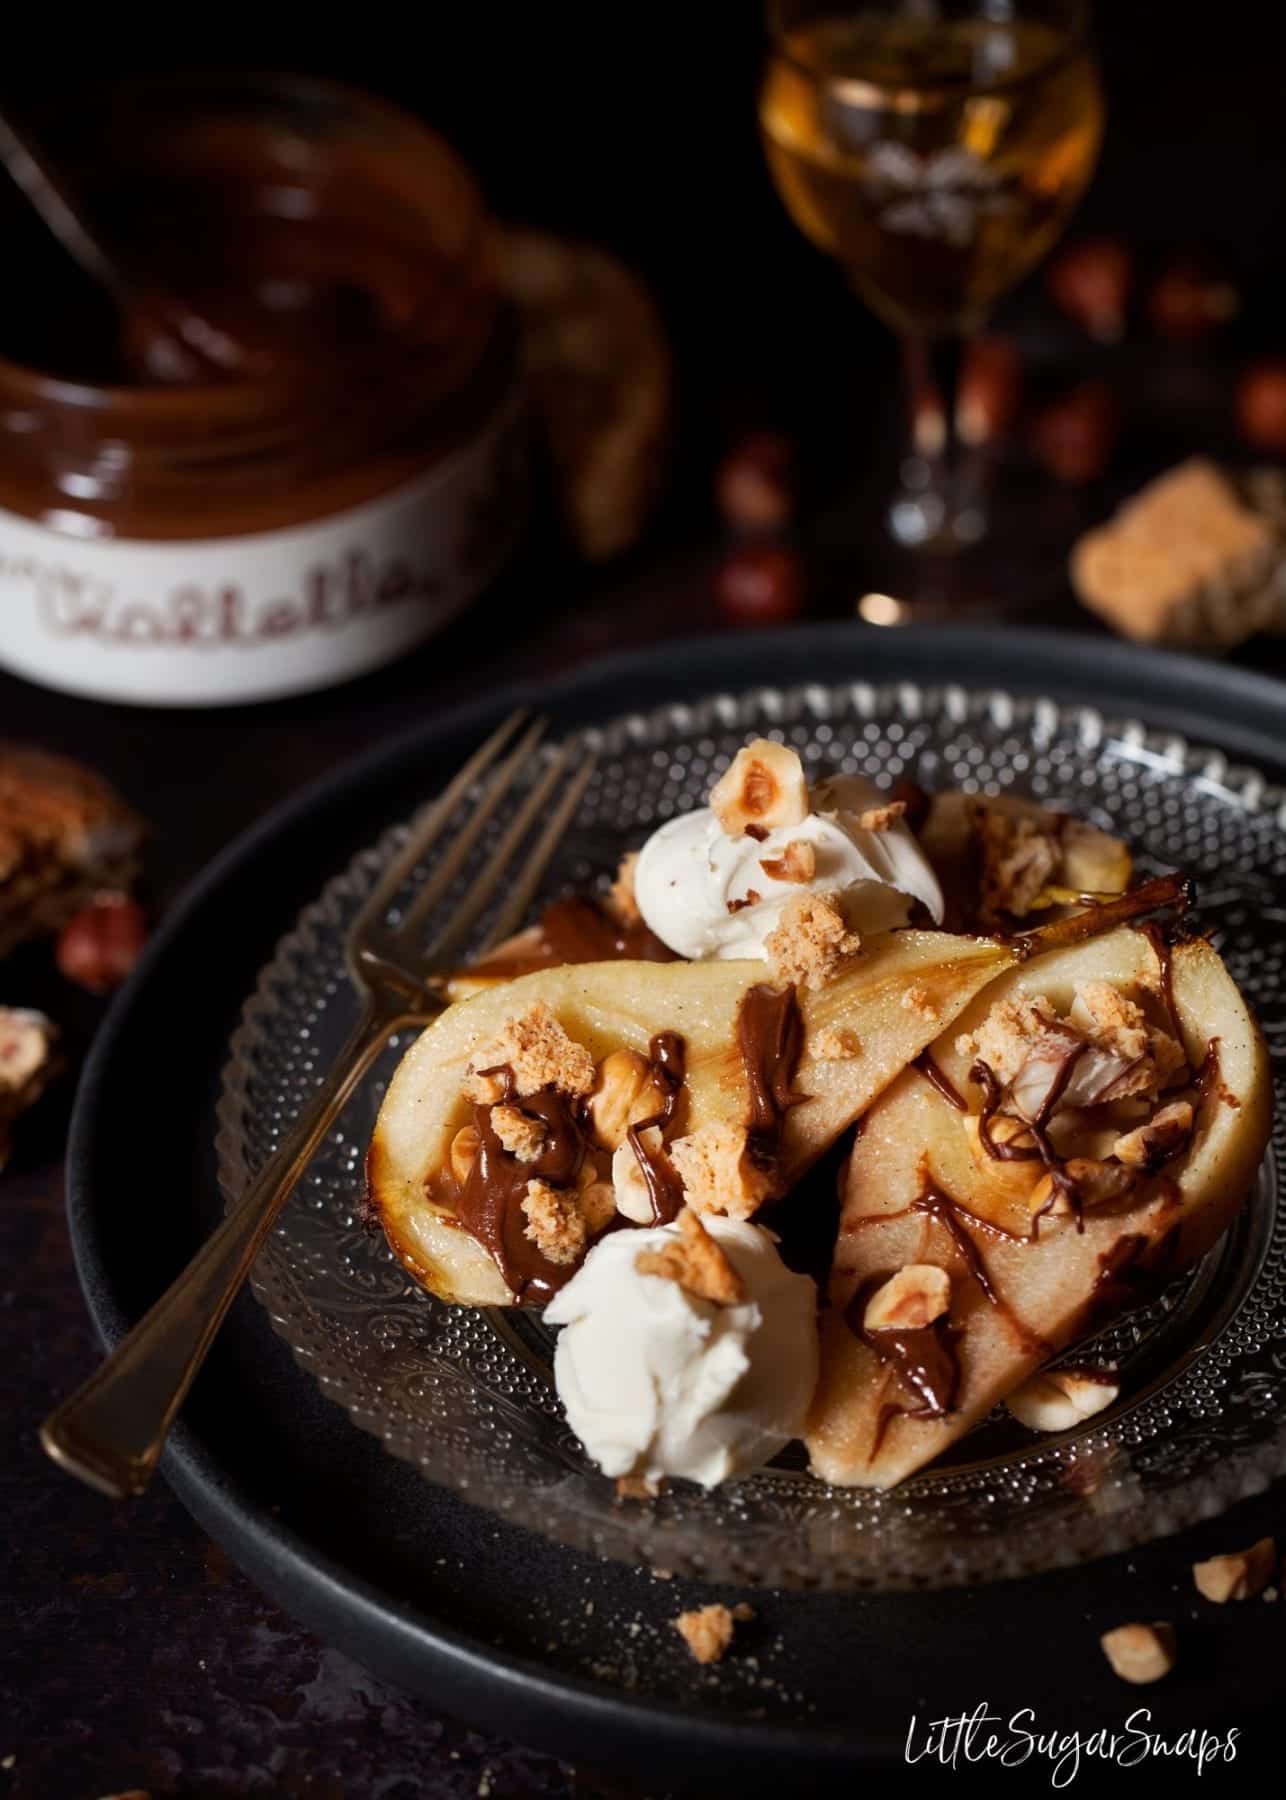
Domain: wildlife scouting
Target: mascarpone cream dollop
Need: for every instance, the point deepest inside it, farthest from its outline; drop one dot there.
(693, 883)
(659, 1382)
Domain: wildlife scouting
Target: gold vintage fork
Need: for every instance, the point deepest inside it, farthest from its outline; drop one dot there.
(112, 1430)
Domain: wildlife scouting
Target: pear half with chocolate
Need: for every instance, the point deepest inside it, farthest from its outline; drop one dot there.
(533, 1116)
(1090, 1126)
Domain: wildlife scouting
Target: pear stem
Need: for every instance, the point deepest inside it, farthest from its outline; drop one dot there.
(1162, 892)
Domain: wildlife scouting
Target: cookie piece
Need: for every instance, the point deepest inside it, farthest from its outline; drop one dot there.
(1184, 562)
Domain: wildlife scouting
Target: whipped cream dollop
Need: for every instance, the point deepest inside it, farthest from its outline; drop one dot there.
(693, 881)
(656, 1381)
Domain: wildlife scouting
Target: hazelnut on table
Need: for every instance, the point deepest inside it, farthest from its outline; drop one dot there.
(1140, 1653)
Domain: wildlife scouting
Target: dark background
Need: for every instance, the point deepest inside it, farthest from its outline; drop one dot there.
(633, 127)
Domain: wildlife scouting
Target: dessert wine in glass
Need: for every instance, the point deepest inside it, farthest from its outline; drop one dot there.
(935, 148)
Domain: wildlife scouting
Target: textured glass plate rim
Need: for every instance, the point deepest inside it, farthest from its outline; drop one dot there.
(970, 1558)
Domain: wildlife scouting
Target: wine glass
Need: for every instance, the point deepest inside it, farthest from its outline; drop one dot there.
(935, 148)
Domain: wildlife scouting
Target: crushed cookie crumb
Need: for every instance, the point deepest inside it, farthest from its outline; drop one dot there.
(1019, 859)
(918, 999)
(521, 1135)
(836, 1043)
(707, 1630)
(718, 1173)
(622, 902)
(697, 1262)
(539, 1053)
(1117, 1024)
(810, 941)
(555, 1224)
(797, 862)
(1006, 1036)
(879, 818)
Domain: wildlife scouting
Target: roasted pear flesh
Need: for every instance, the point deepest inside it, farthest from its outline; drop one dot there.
(1156, 1177)
(885, 1006)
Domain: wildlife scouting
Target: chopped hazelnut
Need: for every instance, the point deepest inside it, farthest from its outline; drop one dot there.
(464, 1153)
(1140, 1653)
(630, 1190)
(1097, 1184)
(879, 818)
(554, 1222)
(621, 901)
(1238, 1576)
(1058, 1399)
(797, 862)
(836, 1043)
(623, 1094)
(707, 1630)
(718, 1173)
(910, 1300)
(596, 1199)
(764, 787)
(810, 941)
(539, 1053)
(1151, 1145)
(697, 1262)
(1117, 1024)
(521, 1135)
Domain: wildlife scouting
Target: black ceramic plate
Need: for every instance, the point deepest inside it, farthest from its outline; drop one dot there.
(539, 1642)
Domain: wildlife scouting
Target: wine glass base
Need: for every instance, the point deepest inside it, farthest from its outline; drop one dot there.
(925, 517)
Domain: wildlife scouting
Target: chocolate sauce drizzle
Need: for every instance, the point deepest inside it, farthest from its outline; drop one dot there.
(770, 1038)
(577, 929)
(490, 1202)
(939, 1081)
(926, 1360)
(667, 1055)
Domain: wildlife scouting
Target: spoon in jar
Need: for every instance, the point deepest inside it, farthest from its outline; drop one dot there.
(162, 337)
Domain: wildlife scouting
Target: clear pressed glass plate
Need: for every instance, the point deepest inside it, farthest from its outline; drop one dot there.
(467, 1396)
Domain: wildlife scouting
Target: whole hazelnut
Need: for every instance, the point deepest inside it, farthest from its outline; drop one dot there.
(99, 945)
(989, 386)
(1091, 283)
(760, 584)
(1189, 301)
(1261, 405)
(756, 485)
(1074, 437)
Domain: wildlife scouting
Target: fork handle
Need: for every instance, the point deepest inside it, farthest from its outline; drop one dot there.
(111, 1431)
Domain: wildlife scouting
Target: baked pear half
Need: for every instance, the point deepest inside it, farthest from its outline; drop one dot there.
(595, 1028)
(1089, 1126)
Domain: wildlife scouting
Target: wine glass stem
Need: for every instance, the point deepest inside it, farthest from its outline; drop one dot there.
(939, 505)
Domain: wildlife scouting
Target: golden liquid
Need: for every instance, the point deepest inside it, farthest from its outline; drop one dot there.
(936, 161)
